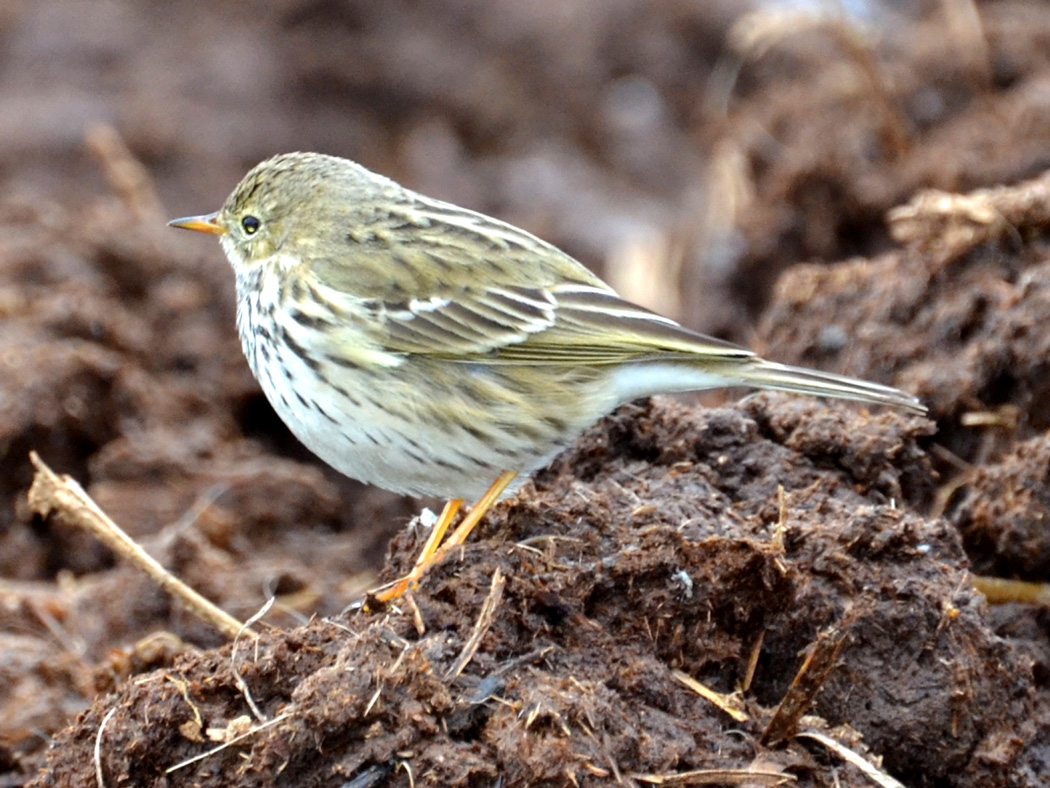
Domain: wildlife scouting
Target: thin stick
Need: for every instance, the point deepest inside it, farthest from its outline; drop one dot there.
(224, 745)
(727, 703)
(816, 668)
(63, 496)
(98, 748)
(126, 175)
(752, 662)
(869, 770)
(999, 591)
(417, 615)
(481, 626)
(717, 777)
(237, 678)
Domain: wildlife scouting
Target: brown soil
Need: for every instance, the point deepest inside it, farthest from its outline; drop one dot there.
(671, 538)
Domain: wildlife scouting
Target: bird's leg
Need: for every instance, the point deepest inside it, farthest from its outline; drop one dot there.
(492, 494)
(431, 552)
(437, 533)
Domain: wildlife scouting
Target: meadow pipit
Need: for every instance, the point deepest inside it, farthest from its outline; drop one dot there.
(427, 349)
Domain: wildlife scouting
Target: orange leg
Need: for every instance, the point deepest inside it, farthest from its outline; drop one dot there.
(437, 533)
(492, 494)
(433, 551)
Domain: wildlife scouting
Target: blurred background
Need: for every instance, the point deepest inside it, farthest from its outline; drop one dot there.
(688, 150)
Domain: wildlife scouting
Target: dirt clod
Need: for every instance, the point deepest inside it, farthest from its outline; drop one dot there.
(574, 676)
(865, 196)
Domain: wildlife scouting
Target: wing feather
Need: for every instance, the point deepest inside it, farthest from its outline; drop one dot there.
(470, 326)
(595, 326)
(561, 325)
(412, 277)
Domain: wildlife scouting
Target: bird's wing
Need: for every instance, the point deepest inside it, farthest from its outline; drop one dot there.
(444, 282)
(470, 324)
(574, 324)
(594, 326)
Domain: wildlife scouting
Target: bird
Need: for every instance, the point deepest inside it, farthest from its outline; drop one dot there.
(428, 349)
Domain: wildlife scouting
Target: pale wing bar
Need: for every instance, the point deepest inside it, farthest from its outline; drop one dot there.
(596, 327)
(469, 325)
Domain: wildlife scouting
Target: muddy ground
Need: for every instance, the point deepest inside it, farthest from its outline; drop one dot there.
(795, 557)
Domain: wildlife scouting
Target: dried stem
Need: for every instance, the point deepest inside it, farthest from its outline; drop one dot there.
(63, 496)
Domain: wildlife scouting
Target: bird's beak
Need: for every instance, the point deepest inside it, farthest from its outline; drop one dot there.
(203, 224)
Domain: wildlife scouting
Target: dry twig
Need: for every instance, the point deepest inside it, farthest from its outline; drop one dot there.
(999, 591)
(966, 33)
(821, 660)
(98, 748)
(727, 703)
(127, 176)
(752, 662)
(872, 772)
(237, 677)
(62, 496)
(716, 777)
(224, 745)
(481, 626)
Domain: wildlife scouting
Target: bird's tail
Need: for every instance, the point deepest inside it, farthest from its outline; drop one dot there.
(770, 375)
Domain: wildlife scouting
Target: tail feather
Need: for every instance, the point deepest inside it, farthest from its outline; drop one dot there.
(781, 377)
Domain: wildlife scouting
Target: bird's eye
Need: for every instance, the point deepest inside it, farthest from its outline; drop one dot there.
(250, 225)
